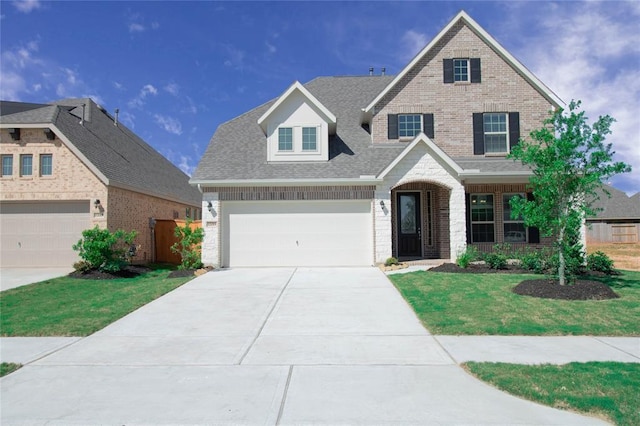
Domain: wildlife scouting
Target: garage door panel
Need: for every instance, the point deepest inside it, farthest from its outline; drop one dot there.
(40, 234)
(309, 233)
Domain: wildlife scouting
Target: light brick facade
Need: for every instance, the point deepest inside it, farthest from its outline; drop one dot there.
(71, 180)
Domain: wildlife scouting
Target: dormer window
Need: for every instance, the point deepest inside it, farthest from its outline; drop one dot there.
(285, 139)
(309, 139)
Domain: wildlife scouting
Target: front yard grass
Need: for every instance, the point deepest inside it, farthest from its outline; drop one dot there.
(602, 389)
(8, 367)
(68, 306)
(477, 304)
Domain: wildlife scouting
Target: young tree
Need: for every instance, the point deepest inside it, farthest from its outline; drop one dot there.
(188, 247)
(570, 161)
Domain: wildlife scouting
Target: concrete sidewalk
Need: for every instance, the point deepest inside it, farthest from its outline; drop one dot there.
(265, 346)
(17, 277)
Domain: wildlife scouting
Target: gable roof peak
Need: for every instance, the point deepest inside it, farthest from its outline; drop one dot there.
(489, 40)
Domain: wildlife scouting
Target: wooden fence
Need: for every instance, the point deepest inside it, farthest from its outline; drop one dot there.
(165, 238)
(620, 233)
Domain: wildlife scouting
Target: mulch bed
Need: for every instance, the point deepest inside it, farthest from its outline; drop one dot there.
(544, 287)
(130, 271)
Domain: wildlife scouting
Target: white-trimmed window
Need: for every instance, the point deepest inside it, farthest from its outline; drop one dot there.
(26, 165)
(482, 218)
(409, 125)
(496, 132)
(309, 139)
(46, 164)
(7, 165)
(461, 70)
(285, 139)
(514, 229)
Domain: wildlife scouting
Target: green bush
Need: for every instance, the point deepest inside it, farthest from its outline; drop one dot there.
(497, 259)
(600, 262)
(391, 261)
(536, 260)
(188, 246)
(104, 250)
(466, 257)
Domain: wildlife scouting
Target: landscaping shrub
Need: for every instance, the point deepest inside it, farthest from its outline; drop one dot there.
(536, 260)
(104, 250)
(600, 262)
(497, 259)
(466, 257)
(391, 261)
(188, 246)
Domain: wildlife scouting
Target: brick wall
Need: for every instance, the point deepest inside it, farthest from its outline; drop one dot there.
(422, 91)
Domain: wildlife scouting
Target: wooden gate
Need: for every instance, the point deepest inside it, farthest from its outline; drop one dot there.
(165, 238)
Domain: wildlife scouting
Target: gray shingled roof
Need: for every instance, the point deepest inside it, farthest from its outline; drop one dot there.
(238, 149)
(119, 154)
(618, 205)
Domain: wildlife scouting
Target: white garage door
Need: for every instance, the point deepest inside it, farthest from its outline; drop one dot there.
(41, 234)
(297, 233)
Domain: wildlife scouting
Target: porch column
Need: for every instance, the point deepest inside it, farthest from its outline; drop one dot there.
(210, 255)
(382, 224)
(457, 222)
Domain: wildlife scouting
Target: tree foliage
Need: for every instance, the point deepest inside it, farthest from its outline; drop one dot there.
(189, 245)
(570, 161)
(104, 250)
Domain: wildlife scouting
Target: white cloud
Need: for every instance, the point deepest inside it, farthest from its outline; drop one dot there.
(412, 42)
(27, 6)
(169, 124)
(118, 85)
(172, 88)
(593, 58)
(270, 47)
(127, 118)
(134, 27)
(139, 101)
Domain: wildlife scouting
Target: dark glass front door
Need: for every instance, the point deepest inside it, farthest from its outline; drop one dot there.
(409, 224)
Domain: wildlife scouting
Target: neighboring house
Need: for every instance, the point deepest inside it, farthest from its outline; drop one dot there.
(617, 219)
(69, 166)
(353, 170)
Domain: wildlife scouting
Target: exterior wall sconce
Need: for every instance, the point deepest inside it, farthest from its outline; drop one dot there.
(209, 206)
(96, 203)
(382, 203)
(15, 133)
(49, 134)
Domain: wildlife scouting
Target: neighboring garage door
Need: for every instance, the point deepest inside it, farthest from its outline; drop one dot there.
(297, 233)
(40, 234)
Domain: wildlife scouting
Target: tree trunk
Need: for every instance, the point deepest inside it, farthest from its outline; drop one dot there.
(561, 260)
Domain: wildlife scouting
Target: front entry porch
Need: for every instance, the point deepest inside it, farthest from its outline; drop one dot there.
(420, 221)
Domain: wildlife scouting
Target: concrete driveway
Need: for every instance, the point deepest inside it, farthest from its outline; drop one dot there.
(264, 346)
(16, 277)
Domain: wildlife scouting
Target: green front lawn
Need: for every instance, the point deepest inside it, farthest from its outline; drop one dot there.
(448, 303)
(602, 389)
(77, 307)
(8, 367)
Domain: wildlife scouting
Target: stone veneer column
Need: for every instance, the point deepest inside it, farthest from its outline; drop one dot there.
(382, 218)
(457, 222)
(210, 224)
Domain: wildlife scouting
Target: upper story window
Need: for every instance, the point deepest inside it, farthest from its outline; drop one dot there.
(409, 125)
(26, 165)
(285, 139)
(309, 139)
(495, 132)
(514, 229)
(46, 164)
(461, 70)
(496, 135)
(7, 165)
(482, 218)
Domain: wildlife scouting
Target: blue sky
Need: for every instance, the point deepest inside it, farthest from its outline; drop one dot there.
(177, 70)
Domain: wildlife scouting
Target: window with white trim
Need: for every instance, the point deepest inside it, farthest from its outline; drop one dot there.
(46, 164)
(514, 229)
(482, 218)
(7, 165)
(285, 139)
(26, 165)
(461, 70)
(409, 125)
(309, 139)
(496, 132)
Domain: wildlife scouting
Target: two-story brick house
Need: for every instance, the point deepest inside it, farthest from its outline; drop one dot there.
(69, 166)
(353, 170)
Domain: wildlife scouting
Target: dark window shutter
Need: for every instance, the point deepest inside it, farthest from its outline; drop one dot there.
(478, 134)
(467, 200)
(534, 233)
(427, 125)
(514, 128)
(392, 126)
(447, 68)
(475, 70)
